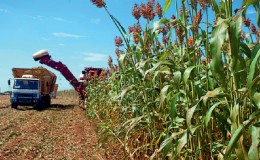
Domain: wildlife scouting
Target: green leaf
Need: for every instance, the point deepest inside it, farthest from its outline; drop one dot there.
(165, 56)
(151, 70)
(163, 94)
(182, 142)
(209, 112)
(177, 79)
(165, 70)
(252, 69)
(235, 28)
(121, 60)
(247, 3)
(124, 91)
(167, 4)
(238, 132)
(217, 39)
(254, 150)
(190, 113)
(187, 72)
(256, 99)
(217, 92)
(169, 140)
(214, 6)
(238, 61)
(173, 111)
(156, 24)
(245, 49)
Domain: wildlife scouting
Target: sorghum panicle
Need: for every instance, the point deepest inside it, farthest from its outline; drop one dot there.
(174, 20)
(198, 17)
(117, 51)
(136, 12)
(118, 41)
(99, 3)
(103, 75)
(110, 61)
(165, 39)
(136, 30)
(203, 61)
(158, 10)
(147, 11)
(164, 29)
(179, 33)
(203, 3)
(197, 20)
(242, 36)
(150, 3)
(253, 28)
(247, 22)
(190, 42)
(167, 26)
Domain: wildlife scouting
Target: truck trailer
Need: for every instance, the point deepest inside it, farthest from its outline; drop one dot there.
(32, 86)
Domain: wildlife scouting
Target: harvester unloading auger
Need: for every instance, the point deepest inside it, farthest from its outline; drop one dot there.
(44, 58)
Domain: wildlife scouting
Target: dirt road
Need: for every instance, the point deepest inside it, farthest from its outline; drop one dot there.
(59, 132)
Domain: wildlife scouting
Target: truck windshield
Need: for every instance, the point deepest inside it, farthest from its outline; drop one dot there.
(26, 84)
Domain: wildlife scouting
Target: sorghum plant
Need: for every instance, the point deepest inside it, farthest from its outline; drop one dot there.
(186, 86)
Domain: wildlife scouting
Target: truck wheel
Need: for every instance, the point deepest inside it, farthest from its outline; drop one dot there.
(48, 101)
(39, 106)
(14, 105)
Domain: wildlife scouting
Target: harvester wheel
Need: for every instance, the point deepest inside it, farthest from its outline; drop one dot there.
(82, 104)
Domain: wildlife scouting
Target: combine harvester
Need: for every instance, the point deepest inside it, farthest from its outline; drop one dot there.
(79, 85)
(32, 86)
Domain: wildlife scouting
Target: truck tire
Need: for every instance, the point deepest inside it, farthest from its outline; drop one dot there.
(14, 105)
(39, 106)
(47, 100)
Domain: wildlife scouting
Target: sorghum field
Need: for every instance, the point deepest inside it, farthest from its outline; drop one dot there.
(186, 84)
(61, 131)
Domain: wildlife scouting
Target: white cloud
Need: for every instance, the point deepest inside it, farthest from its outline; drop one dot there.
(62, 19)
(4, 10)
(45, 39)
(95, 21)
(61, 44)
(95, 57)
(250, 11)
(39, 17)
(66, 35)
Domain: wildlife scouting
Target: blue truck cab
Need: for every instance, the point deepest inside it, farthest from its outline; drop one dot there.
(25, 91)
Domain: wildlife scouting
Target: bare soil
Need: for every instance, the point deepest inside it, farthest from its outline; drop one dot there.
(61, 131)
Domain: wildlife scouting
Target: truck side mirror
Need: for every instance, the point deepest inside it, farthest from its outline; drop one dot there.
(9, 82)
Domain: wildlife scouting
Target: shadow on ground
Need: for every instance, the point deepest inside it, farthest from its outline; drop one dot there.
(60, 106)
(51, 107)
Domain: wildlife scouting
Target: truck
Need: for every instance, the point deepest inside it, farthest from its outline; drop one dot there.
(32, 86)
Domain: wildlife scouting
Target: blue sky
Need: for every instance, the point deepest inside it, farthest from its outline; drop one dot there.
(74, 32)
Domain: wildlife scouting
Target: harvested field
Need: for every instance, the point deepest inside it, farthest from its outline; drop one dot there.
(61, 131)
